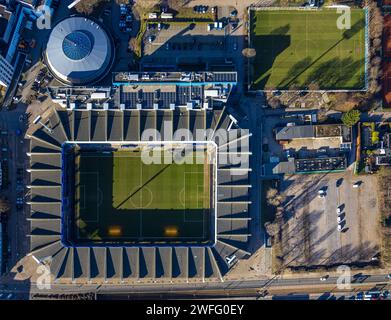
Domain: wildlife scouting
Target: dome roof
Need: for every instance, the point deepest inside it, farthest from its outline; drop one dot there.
(79, 51)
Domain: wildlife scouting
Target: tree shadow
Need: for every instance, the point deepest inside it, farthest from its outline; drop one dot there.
(297, 69)
(349, 33)
(335, 73)
(271, 46)
(359, 25)
(281, 30)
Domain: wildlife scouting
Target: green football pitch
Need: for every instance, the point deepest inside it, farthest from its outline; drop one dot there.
(297, 48)
(121, 198)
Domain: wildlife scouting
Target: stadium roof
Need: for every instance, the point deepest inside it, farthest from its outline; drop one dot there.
(132, 263)
(79, 51)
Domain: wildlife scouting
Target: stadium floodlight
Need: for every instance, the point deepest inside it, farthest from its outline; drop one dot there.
(37, 120)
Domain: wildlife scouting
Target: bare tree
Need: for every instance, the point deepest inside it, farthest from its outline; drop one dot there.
(132, 43)
(274, 102)
(88, 6)
(341, 97)
(271, 228)
(4, 205)
(274, 198)
(271, 194)
(313, 86)
(376, 43)
(249, 52)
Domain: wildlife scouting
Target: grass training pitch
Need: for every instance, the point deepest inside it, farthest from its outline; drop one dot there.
(118, 197)
(297, 48)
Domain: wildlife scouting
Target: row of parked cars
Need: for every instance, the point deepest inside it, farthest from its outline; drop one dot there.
(341, 222)
(19, 188)
(41, 81)
(200, 9)
(126, 18)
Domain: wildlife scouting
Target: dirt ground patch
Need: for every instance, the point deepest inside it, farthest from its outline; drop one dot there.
(309, 232)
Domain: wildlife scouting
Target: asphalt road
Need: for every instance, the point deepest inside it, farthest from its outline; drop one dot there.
(226, 288)
(16, 224)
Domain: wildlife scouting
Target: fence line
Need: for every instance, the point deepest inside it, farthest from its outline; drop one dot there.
(258, 8)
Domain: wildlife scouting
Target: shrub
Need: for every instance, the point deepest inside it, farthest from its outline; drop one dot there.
(351, 117)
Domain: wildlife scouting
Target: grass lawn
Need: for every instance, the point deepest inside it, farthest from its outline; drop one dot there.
(119, 197)
(297, 48)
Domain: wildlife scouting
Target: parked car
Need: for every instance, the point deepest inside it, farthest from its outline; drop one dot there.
(324, 278)
(356, 184)
(339, 219)
(200, 9)
(234, 13)
(321, 193)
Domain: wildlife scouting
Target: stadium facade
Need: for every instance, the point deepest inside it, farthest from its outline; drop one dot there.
(129, 263)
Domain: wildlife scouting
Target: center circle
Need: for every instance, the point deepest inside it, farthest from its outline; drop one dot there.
(77, 45)
(146, 197)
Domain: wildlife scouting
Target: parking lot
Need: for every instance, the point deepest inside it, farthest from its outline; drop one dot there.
(187, 42)
(309, 234)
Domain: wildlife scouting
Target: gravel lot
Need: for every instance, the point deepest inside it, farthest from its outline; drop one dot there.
(310, 235)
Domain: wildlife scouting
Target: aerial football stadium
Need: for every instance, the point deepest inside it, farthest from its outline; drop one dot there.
(116, 197)
(100, 212)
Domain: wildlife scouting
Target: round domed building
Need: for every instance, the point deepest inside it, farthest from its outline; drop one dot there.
(79, 51)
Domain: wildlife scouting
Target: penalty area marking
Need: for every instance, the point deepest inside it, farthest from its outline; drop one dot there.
(96, 174)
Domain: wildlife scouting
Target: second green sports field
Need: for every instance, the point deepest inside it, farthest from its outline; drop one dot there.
(120, 197)
(299, 48)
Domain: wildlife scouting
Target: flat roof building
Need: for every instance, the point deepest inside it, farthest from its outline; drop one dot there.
(308, 165)
(6, 72)
(314, 132)
(152, 90)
